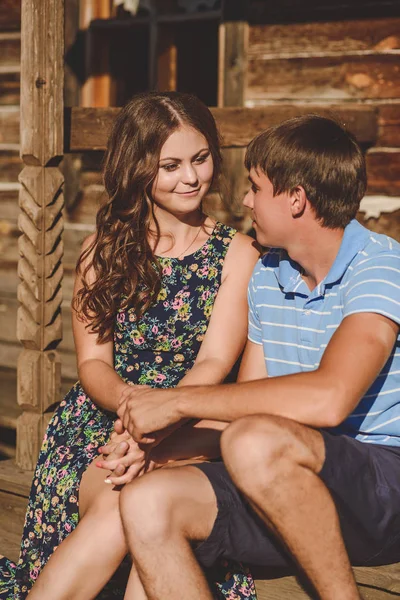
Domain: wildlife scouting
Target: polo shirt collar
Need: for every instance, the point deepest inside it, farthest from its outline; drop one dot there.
(288, 272)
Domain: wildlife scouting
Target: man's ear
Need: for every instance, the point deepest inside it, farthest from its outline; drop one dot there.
(298, 201)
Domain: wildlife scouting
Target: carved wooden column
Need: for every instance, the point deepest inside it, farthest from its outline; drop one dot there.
(41, 201)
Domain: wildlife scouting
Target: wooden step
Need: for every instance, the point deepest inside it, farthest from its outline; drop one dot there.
(375, 583)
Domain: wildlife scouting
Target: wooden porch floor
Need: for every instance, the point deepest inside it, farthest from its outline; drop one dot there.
(376, 583)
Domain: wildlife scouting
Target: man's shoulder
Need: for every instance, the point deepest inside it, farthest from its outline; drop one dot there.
(380, 251)
(266, 266)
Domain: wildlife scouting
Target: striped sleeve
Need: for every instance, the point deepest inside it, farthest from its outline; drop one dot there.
(375, 287)
(255, 333)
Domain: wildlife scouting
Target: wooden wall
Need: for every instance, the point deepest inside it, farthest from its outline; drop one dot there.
(356, 61)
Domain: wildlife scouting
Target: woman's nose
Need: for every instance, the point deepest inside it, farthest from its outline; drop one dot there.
(189, 175)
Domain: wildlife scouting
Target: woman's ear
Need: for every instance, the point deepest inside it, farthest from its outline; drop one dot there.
(298, 201)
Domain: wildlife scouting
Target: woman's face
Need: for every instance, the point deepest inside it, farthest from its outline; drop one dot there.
(185, 172)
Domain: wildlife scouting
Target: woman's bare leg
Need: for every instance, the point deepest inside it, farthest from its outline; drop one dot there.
(88, 557)
(135, 589)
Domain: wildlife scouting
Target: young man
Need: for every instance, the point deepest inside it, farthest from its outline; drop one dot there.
(311, 459)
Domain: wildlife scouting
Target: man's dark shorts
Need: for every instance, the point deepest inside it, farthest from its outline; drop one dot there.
(364, 481)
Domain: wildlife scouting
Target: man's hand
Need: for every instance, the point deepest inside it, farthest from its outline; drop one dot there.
(146, 411)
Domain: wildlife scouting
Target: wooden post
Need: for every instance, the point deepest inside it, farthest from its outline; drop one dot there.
(233, 47)
(40, 220)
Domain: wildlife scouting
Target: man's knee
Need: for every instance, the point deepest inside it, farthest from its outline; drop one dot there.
(146, 506)
(168, 502)
(264, 445)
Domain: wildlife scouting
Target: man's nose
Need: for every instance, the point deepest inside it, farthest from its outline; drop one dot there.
(248, 199)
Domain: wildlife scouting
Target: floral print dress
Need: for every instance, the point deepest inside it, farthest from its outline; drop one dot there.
(156, 350)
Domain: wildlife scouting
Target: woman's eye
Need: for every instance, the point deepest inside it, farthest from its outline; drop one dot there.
(254, 189)
(202, 158)
(170, 167)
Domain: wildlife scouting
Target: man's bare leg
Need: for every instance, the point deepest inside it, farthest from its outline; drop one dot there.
(162, 513)
(88, 557)
(275, 462)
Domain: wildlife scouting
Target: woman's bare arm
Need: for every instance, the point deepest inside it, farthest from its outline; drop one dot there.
(95, 361)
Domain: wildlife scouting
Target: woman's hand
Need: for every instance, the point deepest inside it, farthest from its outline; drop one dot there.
(125, 458)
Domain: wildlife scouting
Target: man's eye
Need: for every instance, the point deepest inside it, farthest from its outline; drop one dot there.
(254, 189)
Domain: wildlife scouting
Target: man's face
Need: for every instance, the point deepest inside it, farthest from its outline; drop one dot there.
(271, 214)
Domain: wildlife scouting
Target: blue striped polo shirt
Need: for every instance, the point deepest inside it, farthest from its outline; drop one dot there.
(294, 324)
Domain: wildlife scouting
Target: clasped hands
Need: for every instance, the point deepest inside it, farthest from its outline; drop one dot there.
(144, 415)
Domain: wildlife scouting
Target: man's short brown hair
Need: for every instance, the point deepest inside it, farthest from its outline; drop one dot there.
(318, 154)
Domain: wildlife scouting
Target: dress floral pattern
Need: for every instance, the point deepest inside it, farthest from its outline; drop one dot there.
(156, 350)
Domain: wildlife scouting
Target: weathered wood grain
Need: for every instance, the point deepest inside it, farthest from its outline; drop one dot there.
(12, 514)
(10, 49)
(330, 78)
(10, 166)
(39, 323)
(10, 15)
(324, 38)
(375, 583)
(9, 410)
(389, 125)
(10, 87)
(233, 47)
(9, 125)
(88, 128)
(387, 223)
(232, 82)
(383, 168)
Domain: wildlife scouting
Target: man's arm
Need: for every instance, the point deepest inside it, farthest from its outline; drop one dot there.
(352, 360)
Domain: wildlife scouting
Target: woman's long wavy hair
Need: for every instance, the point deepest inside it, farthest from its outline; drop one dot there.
(126, 273)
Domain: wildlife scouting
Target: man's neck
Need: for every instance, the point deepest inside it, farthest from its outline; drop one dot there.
(315, 251)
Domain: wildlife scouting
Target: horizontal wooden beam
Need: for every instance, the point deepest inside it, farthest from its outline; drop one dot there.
(87, 129)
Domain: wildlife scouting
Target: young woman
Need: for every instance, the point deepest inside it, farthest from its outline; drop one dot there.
(159, 300)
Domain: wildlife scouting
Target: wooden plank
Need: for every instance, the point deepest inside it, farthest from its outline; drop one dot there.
(88, 128)
(292, 11)
(333, 79)
(167, 57)
(10, 166)
(12, 515)
(375, 583)
(9, 125)
(387, 223)
(10, 49)
(9, 352)
(361, 36)
(97, 88)
(233, 41)
(383, 167)
(14, 480)
(9, 409)
(389, 125)
(10, 15)
(232, 83)
(9, 88)
(8, 208)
